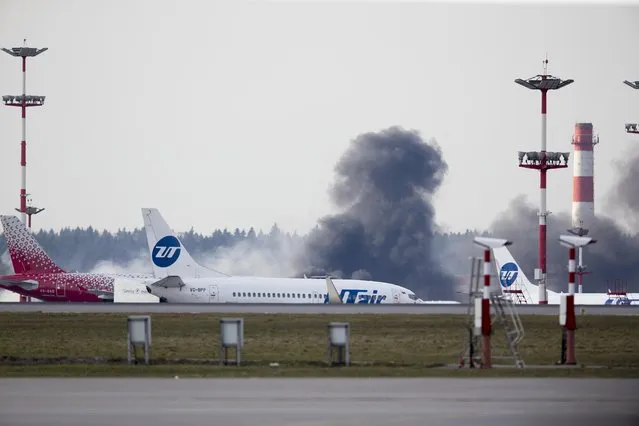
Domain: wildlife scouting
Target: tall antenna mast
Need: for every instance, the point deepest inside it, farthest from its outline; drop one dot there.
(23, 101)
(545, 62)
(543, 161)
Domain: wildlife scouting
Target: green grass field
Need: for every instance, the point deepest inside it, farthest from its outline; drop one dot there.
(381, 345)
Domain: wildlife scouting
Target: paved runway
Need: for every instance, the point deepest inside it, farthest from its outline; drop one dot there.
(293, 308)
(315, 402)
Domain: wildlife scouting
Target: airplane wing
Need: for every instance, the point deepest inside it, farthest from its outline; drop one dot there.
(24, 284)
(172, 281)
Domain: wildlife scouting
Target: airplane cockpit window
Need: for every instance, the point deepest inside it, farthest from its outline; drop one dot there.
(412, 297)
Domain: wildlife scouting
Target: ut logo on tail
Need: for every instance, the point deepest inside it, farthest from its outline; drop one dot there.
(508, 274)
(166, 251)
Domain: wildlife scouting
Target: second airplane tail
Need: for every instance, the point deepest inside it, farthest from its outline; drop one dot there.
(512, 279)
(168, 255)
(26, 253)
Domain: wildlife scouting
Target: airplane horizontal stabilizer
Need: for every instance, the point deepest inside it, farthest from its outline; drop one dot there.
(172, 281)
(23, 284)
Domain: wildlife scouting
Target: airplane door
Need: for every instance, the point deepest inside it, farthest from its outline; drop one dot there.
(395, 296)
(316, 297)
(213, 294)
(60, 289)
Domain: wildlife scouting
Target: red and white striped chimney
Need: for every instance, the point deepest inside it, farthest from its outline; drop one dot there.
(583, 193)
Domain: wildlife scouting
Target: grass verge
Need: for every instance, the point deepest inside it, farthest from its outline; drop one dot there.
(41, 344)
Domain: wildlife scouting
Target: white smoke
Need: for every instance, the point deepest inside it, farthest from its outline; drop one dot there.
(139, 264)
(5, 263)
(278, 258)
(7, 268)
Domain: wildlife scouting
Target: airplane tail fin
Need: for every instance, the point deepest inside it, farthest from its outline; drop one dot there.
(512, 279)
(26, 253)
(168, 255)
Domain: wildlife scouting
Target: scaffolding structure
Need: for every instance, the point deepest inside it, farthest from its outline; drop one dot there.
(504, 314)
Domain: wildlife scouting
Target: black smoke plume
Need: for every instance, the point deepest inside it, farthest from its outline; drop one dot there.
(384, 231)
(624, 197)
(613, 261)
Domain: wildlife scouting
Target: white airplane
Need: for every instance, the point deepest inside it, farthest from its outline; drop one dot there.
(183, 280)
(514, 283)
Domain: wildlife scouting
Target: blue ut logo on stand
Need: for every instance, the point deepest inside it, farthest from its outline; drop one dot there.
(508, 274)
(166, 251)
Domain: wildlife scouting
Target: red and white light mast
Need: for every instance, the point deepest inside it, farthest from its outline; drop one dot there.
(632, 127)
(23, 101)
(543, 161)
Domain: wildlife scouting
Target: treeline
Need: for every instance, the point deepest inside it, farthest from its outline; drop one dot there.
(83, 249)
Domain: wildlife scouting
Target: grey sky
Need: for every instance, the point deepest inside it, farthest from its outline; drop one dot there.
(234, 114)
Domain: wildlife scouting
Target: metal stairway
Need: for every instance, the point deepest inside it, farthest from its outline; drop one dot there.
(503, 313)
(506, 314)
(517, 295)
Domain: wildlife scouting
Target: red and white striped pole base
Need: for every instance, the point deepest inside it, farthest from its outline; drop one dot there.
(571, 320)
(485, 314)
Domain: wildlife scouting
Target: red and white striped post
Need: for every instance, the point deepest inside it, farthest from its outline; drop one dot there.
(486, 328)
(487, 244)
(571, 321)
(573, 243)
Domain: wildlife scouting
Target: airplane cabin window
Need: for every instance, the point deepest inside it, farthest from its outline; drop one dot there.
(253, 294)
(233, 294)
(303, 296)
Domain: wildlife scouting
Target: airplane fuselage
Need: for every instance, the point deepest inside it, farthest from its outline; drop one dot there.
(282, 290)
(68, 286)
(596, 299)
